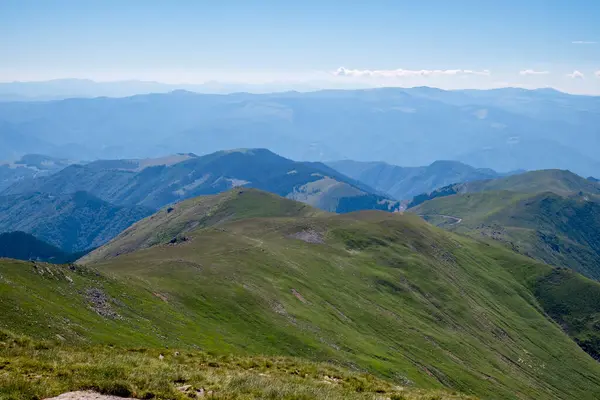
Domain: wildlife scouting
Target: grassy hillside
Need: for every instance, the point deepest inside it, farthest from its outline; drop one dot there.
(171, 224)
(381, 292)
(578, 314)
(72, 222)
(23, 246)
(560, 182)
(557, 181)
(558, 230)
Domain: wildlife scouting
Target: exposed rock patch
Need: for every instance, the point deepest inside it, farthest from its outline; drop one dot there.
(101, 303)
(299, 296)
(308, 236)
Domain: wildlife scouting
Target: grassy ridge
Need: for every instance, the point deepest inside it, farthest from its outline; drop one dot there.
(559, 182)
(557, 230)
(373, 291)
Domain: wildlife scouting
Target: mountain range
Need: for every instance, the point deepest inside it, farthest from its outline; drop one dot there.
(504, 129)
(58, 89)
(73, 222)
(384, 293)
(84, 205)
(404, 183)
(155, 183)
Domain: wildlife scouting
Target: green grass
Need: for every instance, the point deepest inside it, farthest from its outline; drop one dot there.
(34, 370)
(579, 314)
(559, 182)
(558, 230)
(385, 294)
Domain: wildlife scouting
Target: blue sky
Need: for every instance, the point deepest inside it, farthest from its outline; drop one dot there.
(450, 44)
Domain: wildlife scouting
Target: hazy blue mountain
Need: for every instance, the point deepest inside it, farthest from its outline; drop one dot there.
(23, 246)
(406, 182)
(72, 222)
(155, 183)
(28, 167)
(409, 127)
(59, 89)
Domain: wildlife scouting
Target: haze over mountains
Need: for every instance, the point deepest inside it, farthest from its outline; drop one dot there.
(23, 246)
(84, 205)
(503, 129)
(406, 182)
(58, 89)
(246, 250)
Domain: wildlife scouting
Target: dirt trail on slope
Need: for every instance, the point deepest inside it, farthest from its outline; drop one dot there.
(456, 220)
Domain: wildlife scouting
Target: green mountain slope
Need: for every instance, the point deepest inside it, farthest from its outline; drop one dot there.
(376, 291)
(171, 224)
(557, 230)
(556, 181)
(23, 246)
(72, 222)
(404, 183)
(130, 182)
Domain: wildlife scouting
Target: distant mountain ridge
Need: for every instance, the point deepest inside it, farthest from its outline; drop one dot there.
(401, 126)
(29, 166)
(23, 246)
(404, 183)
(122, 182)
(72, 222)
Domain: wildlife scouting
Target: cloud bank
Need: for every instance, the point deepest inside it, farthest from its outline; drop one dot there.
(399, 73)
(576, 75)
(533, 72)
(583, 42)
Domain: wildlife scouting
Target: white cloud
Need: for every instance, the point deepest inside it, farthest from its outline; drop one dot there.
(583, 42)
(398, 73)
(533, 72)
(597, 74)
(576, 75)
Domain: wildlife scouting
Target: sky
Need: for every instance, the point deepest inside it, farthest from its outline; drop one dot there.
(448, 44)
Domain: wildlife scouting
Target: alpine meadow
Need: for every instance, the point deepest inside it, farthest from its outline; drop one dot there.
(246, 200)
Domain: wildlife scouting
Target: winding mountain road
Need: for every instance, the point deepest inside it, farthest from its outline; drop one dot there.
(456, 220)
